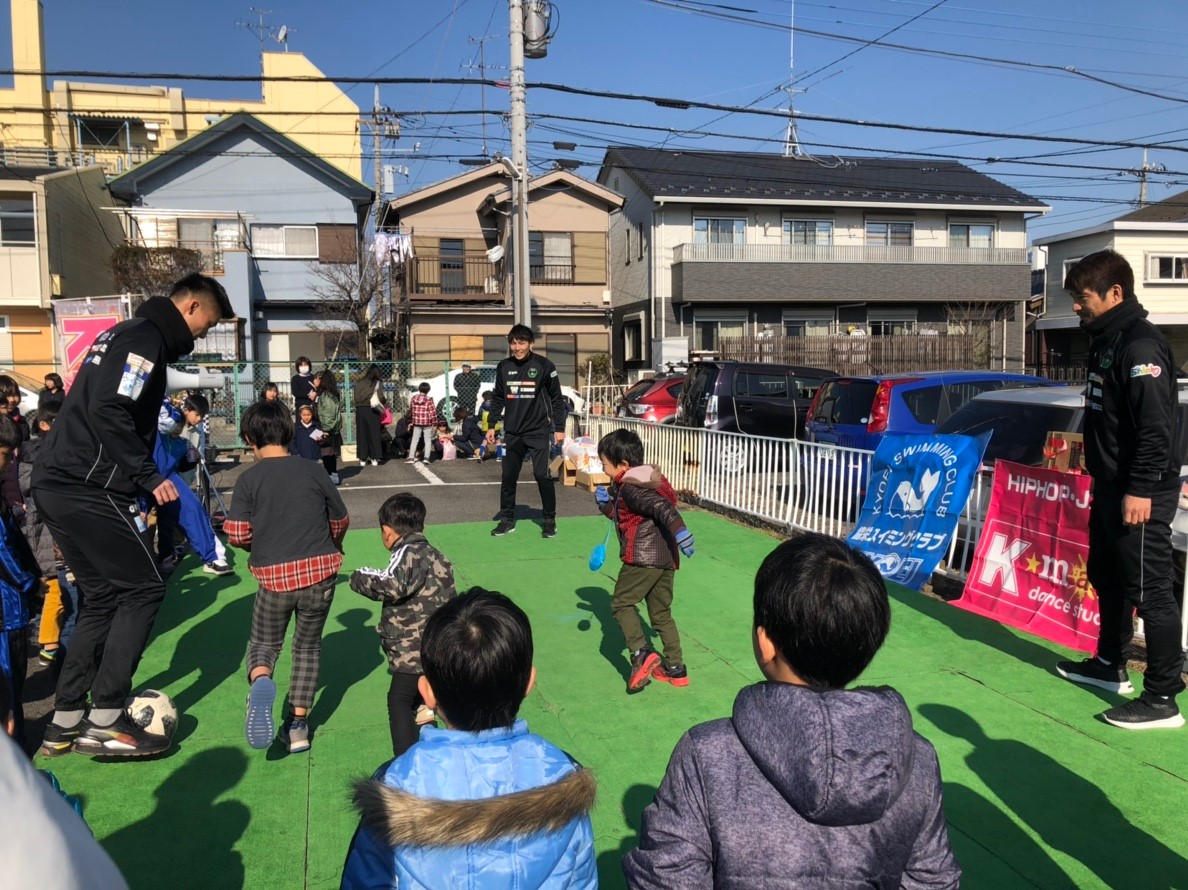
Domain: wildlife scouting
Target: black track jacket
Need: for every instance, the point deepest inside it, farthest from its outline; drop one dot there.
(527, 396)
(1130, 402)
(103, 437)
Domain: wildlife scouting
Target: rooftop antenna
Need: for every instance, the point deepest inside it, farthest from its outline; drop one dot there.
(791, 139)
(482, 67)
(263, 32)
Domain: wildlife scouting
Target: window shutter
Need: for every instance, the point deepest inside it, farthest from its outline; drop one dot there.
(589, 258)
(336, 244)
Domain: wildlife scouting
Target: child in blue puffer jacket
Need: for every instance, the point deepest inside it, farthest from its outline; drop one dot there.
(484, 802)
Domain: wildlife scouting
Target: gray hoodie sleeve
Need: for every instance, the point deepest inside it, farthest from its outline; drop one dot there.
(675, 849)
(931, 865)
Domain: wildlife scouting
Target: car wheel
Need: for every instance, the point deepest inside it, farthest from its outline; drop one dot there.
(732, 457)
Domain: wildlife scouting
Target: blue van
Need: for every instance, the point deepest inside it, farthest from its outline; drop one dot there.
(856, 412)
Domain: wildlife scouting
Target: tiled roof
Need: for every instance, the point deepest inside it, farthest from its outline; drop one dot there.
(747, 176)
(1171, 209)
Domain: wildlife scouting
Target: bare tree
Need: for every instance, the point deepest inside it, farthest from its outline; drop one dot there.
(354, 294)
(152, 271)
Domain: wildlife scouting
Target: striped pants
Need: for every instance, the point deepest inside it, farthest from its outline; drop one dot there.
(270, 621)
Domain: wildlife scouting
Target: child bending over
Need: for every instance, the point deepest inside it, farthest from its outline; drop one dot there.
(808, 783)
(417, 581)
(289, 515)
(483, 802)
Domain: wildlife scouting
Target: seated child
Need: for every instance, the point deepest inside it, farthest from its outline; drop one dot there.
(483, 802)
(417, 581)
(288, 513)
(642, 505)
(833, 779)
(307, 435)
(469, 438)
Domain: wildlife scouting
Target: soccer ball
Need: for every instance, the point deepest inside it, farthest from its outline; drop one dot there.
(153, 711)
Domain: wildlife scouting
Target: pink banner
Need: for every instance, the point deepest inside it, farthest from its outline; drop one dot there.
(1029, 569)
(79, 322)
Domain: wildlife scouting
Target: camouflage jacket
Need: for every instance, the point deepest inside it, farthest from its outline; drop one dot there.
(417, 581)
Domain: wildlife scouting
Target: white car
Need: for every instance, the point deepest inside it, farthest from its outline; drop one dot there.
(437, 386)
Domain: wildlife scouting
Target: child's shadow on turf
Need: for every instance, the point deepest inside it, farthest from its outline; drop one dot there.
(597, 601)
(349, 656)
(610, 862)
(188, 826)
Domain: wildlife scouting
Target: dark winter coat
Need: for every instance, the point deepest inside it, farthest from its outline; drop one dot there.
(303, 444)
(801, 789)
(471, 433)
(103, 437)
(527, 397)
(643, 509)
(41, 542)
(1131, 402)
(416, 583)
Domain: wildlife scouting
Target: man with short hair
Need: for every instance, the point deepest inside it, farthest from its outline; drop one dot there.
(1129, 424)
(527, 397)
(96, 459)
(466, 385)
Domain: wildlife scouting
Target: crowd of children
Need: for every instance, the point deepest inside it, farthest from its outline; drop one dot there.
(485, 802)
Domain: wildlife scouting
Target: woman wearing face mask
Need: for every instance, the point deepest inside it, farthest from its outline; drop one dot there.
(305, 390)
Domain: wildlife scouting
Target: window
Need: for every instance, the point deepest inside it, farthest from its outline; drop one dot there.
(452, 265)
(761, 385)
(289, 242)
(891, 322)
(1160, 267)
(708, 332)
(924, 403)
(889, 234)
(561, 350)
(808, 323)
(979, 235)
(17, 225)
(1065, 266)
(817, 232)
(550, 258)
(633, 340)
(707, 230)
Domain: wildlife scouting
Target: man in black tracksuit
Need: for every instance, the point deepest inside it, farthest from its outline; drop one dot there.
(1129, 426)
(96, 459)
(528, 398)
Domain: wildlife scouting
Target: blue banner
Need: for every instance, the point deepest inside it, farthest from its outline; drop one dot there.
(918, 487)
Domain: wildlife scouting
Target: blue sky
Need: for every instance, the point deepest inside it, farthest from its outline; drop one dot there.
(732, 52)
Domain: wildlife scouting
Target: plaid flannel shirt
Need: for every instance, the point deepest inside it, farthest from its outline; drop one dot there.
(284, 577)
(423, 411)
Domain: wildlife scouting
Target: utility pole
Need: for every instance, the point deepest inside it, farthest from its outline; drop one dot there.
(522, 294)
(1142, 172)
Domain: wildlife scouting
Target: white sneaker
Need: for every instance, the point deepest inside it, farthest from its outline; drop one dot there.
(335, 478)
(375, 463)
(217, 568)
(362, 463)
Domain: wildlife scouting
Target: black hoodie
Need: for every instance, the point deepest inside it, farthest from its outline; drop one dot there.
(103, 437)
(1131, 402)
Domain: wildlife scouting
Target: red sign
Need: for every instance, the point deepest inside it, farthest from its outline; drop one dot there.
(1029, 570)
(77, 333)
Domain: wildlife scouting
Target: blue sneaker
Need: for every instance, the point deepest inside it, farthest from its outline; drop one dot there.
(257, 724)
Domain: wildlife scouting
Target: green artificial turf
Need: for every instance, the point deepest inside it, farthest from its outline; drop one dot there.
(1038, 792)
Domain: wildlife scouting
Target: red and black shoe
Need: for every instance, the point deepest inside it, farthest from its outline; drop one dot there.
(676, 674)
(123, 738)
(643, 662)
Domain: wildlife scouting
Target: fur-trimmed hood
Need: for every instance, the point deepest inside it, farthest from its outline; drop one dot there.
(643, 476)
(400, 818)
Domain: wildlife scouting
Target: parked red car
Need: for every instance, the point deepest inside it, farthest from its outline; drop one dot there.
(653, 400)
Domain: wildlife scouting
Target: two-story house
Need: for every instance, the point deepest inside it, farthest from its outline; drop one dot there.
(714, 245)
(1154, 240)
(56, 241)
(458, 279)
(264, 212)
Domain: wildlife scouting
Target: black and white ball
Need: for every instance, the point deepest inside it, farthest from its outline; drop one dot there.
(154, 711)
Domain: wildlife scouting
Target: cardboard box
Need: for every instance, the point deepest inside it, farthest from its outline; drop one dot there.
(590, 481)
(348, 454)
(1064, 452)
(564, 470)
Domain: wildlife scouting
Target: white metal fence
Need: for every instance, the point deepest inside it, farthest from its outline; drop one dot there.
(800, 486)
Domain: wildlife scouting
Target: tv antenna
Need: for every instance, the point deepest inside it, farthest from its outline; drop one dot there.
(482, 67)
(263, 32)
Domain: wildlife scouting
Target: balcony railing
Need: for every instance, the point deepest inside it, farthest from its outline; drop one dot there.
(551, 273)
(847, 253)
(453, 275)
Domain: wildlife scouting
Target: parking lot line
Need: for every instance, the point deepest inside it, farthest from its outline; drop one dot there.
(424, 471)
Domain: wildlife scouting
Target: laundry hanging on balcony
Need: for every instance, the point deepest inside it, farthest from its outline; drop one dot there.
(392, 247)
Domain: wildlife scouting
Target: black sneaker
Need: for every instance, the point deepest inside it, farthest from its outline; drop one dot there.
(548, 528)
(505, 527)
(1146, 712)
(676, 674)
(58, 740)
(123, 738)
(643, 662)
(1094, 672)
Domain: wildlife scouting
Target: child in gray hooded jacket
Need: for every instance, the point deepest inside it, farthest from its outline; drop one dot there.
(834, 781)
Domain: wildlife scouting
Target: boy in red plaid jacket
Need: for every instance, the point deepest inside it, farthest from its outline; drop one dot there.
(424, 424)
(288, 513)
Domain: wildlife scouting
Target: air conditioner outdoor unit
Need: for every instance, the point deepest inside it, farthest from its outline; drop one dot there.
(491, 285)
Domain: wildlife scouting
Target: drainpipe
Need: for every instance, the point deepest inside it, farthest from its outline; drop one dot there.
(128, 143)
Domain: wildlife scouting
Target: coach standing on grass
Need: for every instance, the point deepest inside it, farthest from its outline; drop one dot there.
(1129, 424)
(95, 460)
(528, 399)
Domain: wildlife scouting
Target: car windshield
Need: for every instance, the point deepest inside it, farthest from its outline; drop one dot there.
(1018, 431)
(637, 392)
